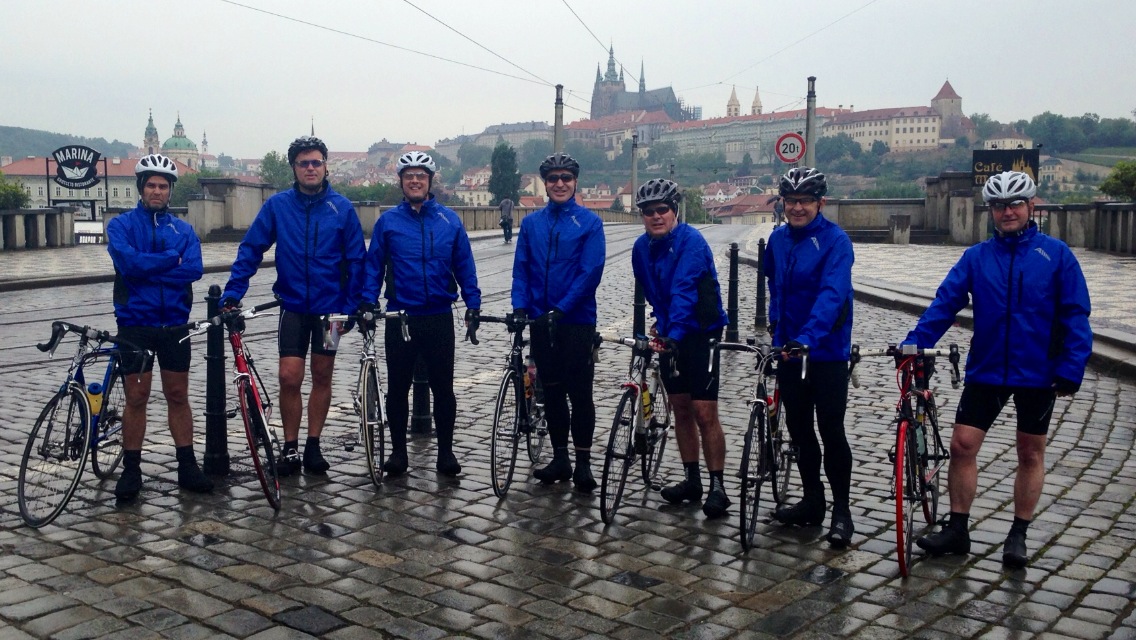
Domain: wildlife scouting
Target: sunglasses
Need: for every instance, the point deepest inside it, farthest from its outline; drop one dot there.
(999, 207)
(807, 200)
(421, 176)
(310, 163)
(660, 210)
(559, 177)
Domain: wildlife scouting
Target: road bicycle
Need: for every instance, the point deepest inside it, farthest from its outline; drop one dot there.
(640, 429)
(768, 453)
(369, 400)
(78, 422)
(918, 454)
(519, 409)
(254, 405)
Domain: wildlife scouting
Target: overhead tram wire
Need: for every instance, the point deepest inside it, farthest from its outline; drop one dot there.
(783, 49)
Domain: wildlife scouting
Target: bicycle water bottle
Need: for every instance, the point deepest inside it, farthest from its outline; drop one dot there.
(648, 406)
(530, 376)
(95, 397)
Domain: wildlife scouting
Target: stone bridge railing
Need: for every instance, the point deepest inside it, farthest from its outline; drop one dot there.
(37, 228)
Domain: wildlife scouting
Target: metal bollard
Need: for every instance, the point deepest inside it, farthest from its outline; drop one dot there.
(215, 461)
(760, 321)
(421, 420)
(732, 296)
(639, 312)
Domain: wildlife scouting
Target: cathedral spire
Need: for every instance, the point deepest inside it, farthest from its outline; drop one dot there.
(599, 76)
(755, 108)
(642, 79)
(611, 75)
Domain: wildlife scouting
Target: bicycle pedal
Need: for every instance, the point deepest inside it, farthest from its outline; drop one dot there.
(349, 447)
(231, 413)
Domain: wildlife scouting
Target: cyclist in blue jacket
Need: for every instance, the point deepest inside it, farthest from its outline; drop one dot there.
(557, 268)
(1032, 341)
(809, 266)
(675, 266)
(421, 253)
(157, 258)
(319, 270)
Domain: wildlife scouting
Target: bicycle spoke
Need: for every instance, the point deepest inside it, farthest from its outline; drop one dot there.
(53, 459)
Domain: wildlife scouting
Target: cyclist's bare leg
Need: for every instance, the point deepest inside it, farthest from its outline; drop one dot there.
(685, 427)
(175, 387)
(319, 402)
(136, 388)
(962, 481)
(710, 429)
(291, 402)
(1030, 476)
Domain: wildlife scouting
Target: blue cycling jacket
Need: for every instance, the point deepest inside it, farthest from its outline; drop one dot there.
(679, 280)
(319, 252)
(157, 258)
(423, 257)
(1031, 311)
(559, 262)
(810, 288)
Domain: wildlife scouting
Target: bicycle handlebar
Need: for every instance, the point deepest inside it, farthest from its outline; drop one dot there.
(60, 328)
(907, 351)
(362, 319)
(199, 327)
(763, 351)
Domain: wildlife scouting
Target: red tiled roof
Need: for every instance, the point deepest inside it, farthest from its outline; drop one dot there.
(621, 120)
(535, 202)
(33, 167)
(763, 117)
(947, 93)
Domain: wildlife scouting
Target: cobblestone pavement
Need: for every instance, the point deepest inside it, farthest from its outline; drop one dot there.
(430, 557)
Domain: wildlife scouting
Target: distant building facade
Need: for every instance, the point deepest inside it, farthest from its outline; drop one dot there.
(515, 135)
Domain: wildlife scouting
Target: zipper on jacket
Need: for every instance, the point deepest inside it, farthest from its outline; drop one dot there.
(553, 238)
(425, 278)
(1009, 315)
(308, 258)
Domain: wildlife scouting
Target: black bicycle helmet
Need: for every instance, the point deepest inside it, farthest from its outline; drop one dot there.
(155, 165)
(658, 190)
(803, 181)
(305, 143)
(559, 160)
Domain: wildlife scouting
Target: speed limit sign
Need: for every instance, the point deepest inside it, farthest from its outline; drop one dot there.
(790, 147)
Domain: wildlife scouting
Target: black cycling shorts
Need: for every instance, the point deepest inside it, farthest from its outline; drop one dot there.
(300, 331)
(981, 403)
(693, 375)
(171, 354)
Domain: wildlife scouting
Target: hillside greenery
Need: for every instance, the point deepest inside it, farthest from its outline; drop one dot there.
(20, 143)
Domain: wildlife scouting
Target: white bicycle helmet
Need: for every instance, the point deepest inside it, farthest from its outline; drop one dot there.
(155, 165)
(803, 181)
(412, 159)
(1009, 185)
(658, 190)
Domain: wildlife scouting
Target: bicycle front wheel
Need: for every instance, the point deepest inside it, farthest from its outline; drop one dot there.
(260, 444)
(54, 456)
(783, 456)
(537, 436)
(619, 456)
(108, 435)
(657, 433)
(756, 467)
(505, 437)
(930, 468)
(906, 493)
(372, 421)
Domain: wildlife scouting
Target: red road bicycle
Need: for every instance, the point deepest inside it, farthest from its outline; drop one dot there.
(918, 455)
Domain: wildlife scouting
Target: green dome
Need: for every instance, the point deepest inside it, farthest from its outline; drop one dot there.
(176, 143)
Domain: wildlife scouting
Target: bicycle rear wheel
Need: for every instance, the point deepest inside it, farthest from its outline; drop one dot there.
(373, 422)
(260, 443)
(108, 435)
(53, 458)
(783, 456)
(756, 468)
(619, 456)
(906, 493)
(657, 434)
(931, 467)
(505, 436)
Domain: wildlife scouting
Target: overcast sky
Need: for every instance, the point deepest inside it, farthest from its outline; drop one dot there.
(253, 81)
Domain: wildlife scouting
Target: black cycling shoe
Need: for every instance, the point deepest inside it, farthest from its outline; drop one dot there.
(840, 531)
(558, 470)
(802, 514)
(1014, 553)
(448, 465)
(192, 479)
(313, 460)
(717, 503)
(683, 491)
(396, 464)
(582, 478)
(947, 541)
(129, 484)
(288, 464)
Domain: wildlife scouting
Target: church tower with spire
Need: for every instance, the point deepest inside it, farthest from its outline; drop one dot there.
(150, 141)
(733, 106)
(755, 108)
(607, 87)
